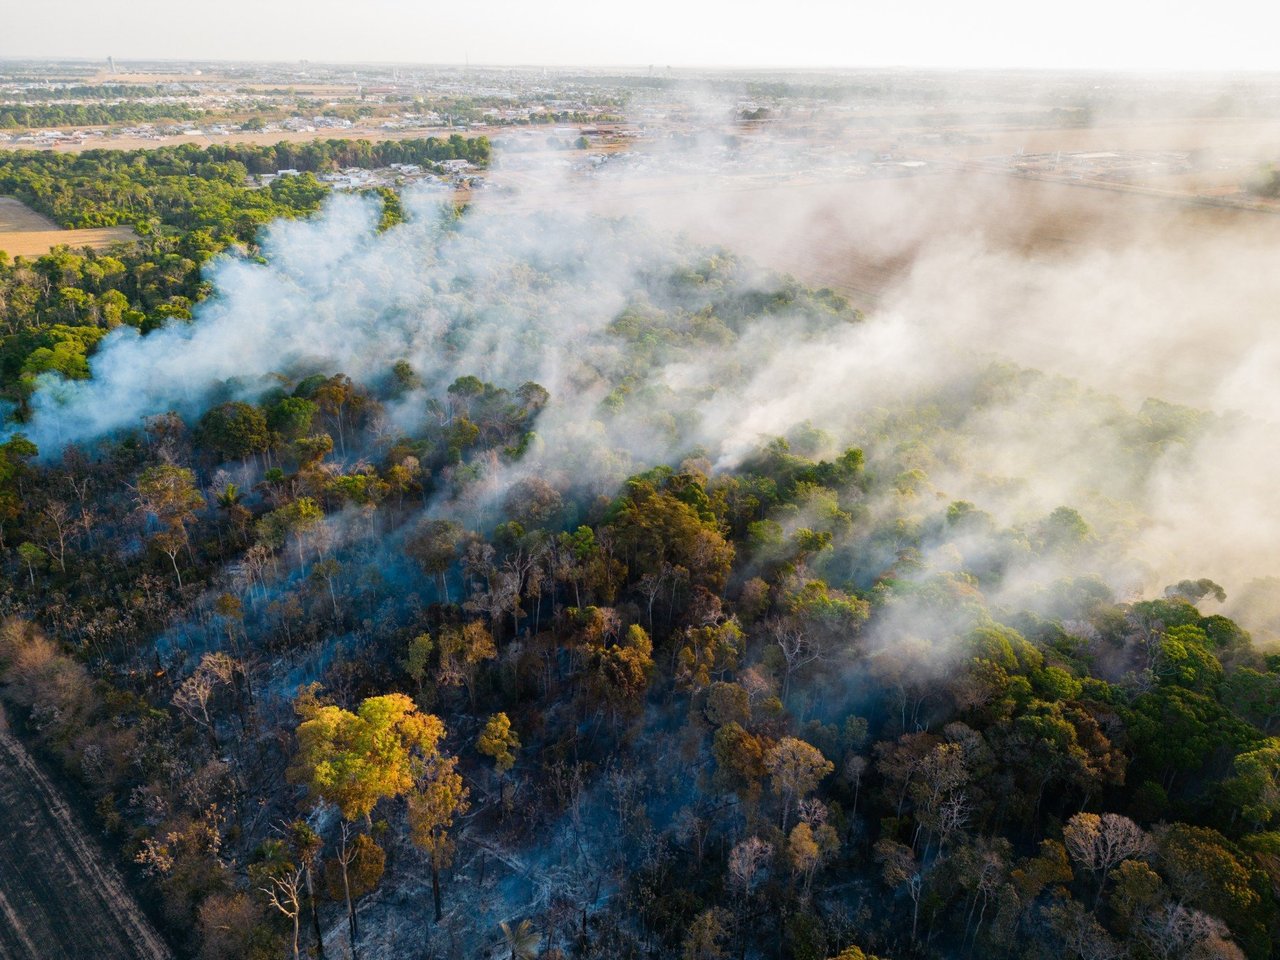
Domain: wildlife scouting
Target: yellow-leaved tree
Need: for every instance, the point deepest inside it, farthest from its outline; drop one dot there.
(353, 760)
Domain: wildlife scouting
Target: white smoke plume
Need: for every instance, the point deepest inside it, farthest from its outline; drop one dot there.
(1140, 300)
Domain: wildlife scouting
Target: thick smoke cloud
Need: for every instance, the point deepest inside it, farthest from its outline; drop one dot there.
(1141, 310)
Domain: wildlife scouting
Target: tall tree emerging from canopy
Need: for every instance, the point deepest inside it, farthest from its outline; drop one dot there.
(169, 493)
(353, 760)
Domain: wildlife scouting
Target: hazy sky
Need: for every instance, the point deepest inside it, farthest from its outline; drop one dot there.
(1134, 34)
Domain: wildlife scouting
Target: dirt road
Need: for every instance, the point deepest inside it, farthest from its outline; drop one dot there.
(59, 895)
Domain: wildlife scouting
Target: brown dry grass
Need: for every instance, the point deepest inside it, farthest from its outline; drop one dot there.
(17, 217)
(25, 233)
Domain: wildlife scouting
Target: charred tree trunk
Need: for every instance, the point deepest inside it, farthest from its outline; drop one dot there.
(435, 888)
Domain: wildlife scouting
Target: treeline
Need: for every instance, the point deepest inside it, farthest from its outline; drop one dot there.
(325, 155)
(106, 91)
(28, 115)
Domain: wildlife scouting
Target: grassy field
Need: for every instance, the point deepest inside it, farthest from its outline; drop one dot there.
(25, 233)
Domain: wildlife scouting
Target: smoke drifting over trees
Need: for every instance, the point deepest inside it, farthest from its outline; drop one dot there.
(627, 598)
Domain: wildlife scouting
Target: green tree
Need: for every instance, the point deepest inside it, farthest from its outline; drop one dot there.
(353, 760)
(433, 545)
(234, 431)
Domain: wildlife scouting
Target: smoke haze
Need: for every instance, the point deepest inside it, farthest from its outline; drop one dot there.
(1134, 296)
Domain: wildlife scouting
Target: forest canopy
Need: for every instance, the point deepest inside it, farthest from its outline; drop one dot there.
(470, 575)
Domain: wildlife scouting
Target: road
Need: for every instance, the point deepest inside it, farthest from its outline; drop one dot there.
(60, 897)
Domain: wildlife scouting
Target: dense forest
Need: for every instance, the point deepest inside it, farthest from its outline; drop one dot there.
(187, 204)
(27, 116)
(413, 654)
(98, 91)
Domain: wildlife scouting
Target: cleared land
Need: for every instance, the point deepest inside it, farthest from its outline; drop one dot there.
(25, 233)
(59, 896)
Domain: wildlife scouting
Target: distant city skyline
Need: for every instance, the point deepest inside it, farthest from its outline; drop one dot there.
(997, 34)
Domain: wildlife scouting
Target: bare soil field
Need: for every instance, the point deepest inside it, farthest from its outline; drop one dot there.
(25, 233)
(59, 895)
(17, 217)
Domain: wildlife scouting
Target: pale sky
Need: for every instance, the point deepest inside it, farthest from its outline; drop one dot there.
(1107, 34)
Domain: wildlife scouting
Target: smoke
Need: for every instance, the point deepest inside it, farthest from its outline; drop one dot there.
(1130, 296)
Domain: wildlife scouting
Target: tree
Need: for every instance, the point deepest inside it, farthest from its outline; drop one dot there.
(669, 520)
(1203, 872)
(1255, 788)
(327, 570)
(1178, 932)
(33, 556)
(195, 693)
(283, 893)
(747, 861)
(433, 544)
(438, 797)
(168, 493)
(291, 417)
(306, 845)
(803, 851)
(498, 741)
(55, 524)
(234, 431)
(706, 935)
(353, 760)
(900, 869)
(521, 939)
(1194, 591)
(796, 769)
(797, 650)
(1080, 933)
(727, 703)
(356, 869)
(740, 761)
(708, 651)
(462, 651)
(335, 398)
(1100, 843)
(620, 671)
(417, 659)
(293, 521)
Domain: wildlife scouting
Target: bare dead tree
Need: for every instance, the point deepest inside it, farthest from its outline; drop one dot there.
(284, 894)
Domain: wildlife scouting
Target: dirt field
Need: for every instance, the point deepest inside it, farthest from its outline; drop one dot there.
(59, 896)
(17, 217)
(25, 233)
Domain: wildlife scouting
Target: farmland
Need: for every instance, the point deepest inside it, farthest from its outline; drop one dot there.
(25, 233)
